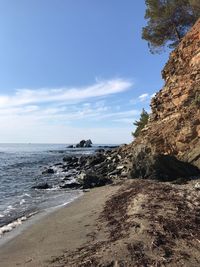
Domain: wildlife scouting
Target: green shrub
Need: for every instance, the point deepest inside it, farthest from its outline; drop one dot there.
(144, 117)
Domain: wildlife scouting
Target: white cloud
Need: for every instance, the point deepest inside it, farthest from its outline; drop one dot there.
(143, 97)
(69, 95)
(48, 115)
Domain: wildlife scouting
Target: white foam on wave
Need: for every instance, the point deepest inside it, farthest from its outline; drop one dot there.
(26, 195)
(9, 227)
(22, 201)
(9, 208)
(54, 188)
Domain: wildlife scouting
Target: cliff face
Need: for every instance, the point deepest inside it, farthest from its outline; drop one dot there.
(174, 126)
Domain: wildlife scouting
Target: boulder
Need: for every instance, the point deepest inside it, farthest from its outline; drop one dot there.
(84, 143)
(73, 185)
(58, 164)
(88, 143)
(100, 150)
(48, 171)
(82, 160)
(91, 180)
(70, 159)
(96, 159)
(197, 186)
(41, 186)
(161, 167)
(81, 143)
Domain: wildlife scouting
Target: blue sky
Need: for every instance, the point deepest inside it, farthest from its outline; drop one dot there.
(74, 69)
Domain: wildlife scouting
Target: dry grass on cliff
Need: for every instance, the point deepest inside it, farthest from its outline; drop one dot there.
(144, 224)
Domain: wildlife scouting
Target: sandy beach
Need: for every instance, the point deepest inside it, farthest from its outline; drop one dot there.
(135, 223)
(65, 229)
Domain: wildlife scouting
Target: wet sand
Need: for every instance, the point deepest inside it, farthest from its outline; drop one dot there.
(135, 223)
(65, 229)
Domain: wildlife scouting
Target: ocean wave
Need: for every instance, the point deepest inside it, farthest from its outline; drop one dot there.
(22, 201)
(9, 208)
(10, 226)
(54, 188)
(26, 195)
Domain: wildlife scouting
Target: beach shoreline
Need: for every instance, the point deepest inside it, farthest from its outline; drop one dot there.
(63, 229)
(21, 224)
(132, 223)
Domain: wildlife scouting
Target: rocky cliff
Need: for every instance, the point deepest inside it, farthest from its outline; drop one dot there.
(176, 108)
(174, 125)
(168, 147)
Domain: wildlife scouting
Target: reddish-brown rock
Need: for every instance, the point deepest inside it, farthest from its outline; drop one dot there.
(175, 121)
(174, 125)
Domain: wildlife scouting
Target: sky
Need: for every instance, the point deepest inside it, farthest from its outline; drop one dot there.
(74, 69)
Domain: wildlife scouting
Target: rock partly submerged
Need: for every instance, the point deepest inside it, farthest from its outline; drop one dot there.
(42, 186)
(73, 185)
(82, 144)
(48, 171)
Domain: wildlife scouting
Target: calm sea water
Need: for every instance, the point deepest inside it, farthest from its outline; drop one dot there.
(21, 167)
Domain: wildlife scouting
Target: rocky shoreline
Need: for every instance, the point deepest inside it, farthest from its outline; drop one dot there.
(87, 171)
(111, 165)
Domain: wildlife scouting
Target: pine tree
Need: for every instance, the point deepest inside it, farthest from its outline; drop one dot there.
(144, 116)
(168, 21)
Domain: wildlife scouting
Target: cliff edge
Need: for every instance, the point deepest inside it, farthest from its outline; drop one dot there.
(172, 135)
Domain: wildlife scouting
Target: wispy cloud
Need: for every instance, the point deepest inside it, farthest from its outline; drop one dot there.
(143, 97)
(29, 114)
(69, 95)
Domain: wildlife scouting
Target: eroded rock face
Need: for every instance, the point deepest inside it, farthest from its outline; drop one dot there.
(169, 146)
(161, 167)
(174, 127)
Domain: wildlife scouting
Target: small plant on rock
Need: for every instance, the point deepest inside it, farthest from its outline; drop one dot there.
(144, 117)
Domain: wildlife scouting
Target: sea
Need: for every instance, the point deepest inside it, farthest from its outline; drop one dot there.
(21, 168)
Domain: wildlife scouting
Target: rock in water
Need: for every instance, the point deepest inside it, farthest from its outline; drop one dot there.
(83, 143)
(88, 143)
(48, 171)
(42, 186)
(73, 185)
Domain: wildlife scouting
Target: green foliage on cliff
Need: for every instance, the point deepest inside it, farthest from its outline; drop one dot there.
(168, 21)
(144, 116)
